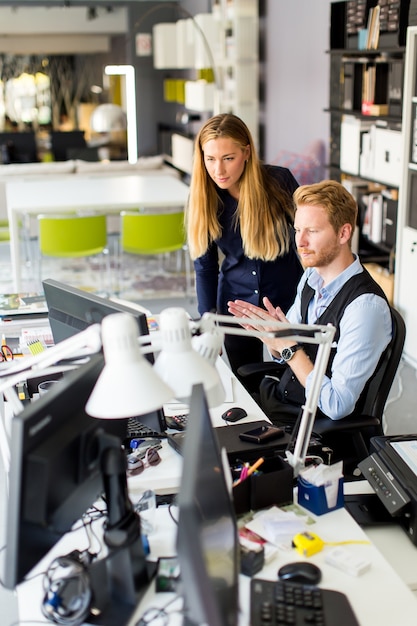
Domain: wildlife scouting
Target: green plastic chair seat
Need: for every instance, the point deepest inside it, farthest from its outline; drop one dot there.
(4, 230)
(72, 236)
(152, 233)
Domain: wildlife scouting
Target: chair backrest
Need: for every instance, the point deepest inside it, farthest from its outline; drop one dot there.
(374, 396)
(72, 235)
(152, 233)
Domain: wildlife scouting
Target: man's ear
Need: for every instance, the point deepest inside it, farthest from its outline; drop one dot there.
(345, 233)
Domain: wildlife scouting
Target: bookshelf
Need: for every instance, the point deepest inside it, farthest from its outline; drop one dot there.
(367, 53)
(406, 266)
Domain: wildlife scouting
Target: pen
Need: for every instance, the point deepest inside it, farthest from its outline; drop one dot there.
(251, 470)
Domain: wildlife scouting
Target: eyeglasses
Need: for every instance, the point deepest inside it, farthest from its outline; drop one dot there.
(136, 465)
(6, 354)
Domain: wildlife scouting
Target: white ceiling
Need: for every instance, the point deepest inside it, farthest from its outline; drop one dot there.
(59, 29)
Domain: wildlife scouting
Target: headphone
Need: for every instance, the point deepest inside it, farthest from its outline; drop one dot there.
(68, 594)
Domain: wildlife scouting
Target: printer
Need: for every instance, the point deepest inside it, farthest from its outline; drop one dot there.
(391, 470)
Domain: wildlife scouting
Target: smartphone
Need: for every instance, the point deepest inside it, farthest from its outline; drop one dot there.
(262, 434)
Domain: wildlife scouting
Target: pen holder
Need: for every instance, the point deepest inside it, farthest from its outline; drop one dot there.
(320, 499)
(272, 485)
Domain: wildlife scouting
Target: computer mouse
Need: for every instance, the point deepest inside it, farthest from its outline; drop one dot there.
(300, 572)
(234, 414)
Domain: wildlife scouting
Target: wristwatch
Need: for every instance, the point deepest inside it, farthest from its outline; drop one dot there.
(288, 353)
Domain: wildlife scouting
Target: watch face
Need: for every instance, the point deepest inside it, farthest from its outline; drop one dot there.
(286, 354)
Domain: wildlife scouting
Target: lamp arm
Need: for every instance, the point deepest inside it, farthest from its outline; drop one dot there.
(82, 344)
(297, 458)
(305, 333)
(196, 25)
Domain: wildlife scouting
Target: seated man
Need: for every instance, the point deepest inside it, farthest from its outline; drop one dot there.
(335, 288)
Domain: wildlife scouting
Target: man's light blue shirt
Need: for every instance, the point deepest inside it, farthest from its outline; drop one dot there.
(365, 331)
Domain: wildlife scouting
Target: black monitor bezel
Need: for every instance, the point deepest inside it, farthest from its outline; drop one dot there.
(69, 310)
(57, 418)
(200, 599)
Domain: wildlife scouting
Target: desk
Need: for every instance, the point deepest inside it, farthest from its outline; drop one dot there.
(379, 596)
(109, 195)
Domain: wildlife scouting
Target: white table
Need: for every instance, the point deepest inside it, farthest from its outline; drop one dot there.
(380, 596)
(108, 195)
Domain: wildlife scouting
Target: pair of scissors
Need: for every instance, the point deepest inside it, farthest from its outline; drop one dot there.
(6, 353)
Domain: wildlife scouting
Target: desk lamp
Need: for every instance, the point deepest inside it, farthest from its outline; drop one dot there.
(181, 366)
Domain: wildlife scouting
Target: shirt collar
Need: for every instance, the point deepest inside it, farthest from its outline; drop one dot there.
(315, 281)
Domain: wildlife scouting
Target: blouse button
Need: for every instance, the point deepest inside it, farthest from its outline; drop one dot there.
(256, 291)
(254, 272)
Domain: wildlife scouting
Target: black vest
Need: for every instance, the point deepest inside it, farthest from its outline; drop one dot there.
(290, 389)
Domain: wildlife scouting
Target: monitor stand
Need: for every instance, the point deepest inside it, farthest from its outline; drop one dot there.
(120, 579)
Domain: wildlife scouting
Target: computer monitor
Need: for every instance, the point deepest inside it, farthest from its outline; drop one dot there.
(207, 540)
(54, 469)
(62, 142)
(71, 310)
(18, 147)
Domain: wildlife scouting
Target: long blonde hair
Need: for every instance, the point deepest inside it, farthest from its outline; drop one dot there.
(264, 210)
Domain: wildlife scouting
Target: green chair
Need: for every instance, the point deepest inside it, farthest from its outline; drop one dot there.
(4, 230)
(74, 236)
(155, 233)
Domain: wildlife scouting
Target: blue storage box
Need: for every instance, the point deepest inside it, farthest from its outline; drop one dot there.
(314, 498)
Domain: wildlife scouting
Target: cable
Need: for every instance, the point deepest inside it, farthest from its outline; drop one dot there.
(67, 590)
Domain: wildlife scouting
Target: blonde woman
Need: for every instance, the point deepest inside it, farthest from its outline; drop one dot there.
(240, 228)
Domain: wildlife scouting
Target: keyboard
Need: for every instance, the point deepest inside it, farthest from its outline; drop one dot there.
(177, 422)
(279, 603)
(136, 430)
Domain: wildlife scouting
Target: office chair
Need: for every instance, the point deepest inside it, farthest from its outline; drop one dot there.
(74, 236)
(350, 437)
(156, 233)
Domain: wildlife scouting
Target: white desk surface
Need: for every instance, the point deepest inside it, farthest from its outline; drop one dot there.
(379, 596)
(109, 195)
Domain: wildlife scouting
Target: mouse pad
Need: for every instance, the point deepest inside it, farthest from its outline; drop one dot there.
(228, 437)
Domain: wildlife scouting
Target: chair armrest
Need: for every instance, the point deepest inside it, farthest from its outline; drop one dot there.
(266, 367)
(251, 374)
(323, 425)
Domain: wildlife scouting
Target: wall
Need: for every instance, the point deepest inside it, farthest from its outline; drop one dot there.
(296, 74)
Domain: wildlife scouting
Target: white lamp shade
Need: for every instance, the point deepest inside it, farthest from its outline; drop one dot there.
(107, 118)
(128, 386)
(179, 365)
(208, 345)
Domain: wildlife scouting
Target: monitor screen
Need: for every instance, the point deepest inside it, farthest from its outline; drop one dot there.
(207, 540)
(54, 469)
